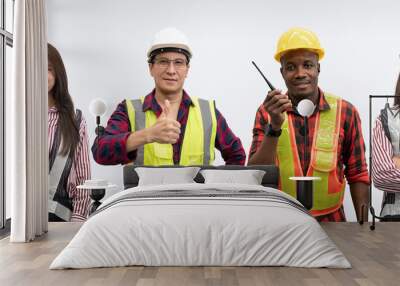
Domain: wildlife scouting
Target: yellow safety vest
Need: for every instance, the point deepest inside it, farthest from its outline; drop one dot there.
(329, 191)
(198, 141)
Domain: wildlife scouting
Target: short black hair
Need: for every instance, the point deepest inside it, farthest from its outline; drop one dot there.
(168, 49)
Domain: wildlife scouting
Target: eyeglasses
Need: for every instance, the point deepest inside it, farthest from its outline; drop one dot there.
(164, 63)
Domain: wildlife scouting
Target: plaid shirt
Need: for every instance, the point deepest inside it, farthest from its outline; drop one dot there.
(351, 148)
(111, 147)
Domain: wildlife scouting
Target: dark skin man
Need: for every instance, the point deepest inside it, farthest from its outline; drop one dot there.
(300, 70)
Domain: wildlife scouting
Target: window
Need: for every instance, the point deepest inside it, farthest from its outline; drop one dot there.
(6, 43)
(9, 17)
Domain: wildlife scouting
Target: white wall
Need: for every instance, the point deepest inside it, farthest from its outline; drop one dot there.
(104, 44)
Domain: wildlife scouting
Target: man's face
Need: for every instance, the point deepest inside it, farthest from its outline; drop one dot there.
(169, 71)
(300, 70)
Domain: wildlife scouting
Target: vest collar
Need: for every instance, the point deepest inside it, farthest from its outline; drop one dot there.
(323, 104)
(150, 102)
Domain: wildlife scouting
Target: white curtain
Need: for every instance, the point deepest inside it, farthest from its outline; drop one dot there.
(27, 151)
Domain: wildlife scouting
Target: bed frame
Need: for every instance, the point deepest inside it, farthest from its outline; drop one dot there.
(270, 179)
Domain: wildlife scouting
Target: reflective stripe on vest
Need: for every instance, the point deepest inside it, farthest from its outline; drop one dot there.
(59, 203)
(201, 123)
(390, 118)
(54, 180)
(328, 192)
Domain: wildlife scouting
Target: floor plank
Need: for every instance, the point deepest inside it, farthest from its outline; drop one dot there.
(374, 255)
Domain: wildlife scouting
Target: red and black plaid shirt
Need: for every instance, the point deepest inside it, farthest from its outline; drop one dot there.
(351, 148)
(111, 147)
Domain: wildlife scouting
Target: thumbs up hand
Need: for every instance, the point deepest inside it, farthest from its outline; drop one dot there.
(166, 110)
(166, 129)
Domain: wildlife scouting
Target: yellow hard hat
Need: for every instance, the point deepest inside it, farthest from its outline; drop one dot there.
(298, 38)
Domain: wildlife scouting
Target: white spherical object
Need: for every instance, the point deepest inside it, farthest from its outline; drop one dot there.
(97, 107)
(305, 107)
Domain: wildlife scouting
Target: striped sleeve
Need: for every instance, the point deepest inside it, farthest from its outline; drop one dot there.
(385, 175)
(80, 172)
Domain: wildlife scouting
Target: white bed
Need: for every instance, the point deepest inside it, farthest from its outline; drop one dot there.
(203, 225)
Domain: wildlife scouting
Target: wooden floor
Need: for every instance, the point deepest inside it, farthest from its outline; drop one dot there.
(374, 255)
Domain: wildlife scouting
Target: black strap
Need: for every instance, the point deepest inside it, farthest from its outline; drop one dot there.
(61, 196)
(54, 148)
(53, 217)
(384, 120)
(391, 218)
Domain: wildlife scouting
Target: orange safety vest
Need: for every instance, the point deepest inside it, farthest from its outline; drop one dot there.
(329, 191)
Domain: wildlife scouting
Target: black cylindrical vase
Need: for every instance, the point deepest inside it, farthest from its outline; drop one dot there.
(304, 193)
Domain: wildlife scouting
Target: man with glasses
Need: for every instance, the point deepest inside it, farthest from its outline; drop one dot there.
(167, 126)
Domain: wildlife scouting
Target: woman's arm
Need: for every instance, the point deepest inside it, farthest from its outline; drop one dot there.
(80, 172)
(385, 172)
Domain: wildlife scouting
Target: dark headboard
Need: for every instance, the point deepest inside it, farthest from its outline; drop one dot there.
(270, 179)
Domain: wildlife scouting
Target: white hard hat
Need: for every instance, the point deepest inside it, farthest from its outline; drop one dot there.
(170, 39)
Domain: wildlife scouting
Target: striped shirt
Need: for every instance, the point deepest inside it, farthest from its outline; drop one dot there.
(351, 148)
(80, 170)
(385, 175)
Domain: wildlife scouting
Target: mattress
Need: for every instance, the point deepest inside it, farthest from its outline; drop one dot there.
(201, 225)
